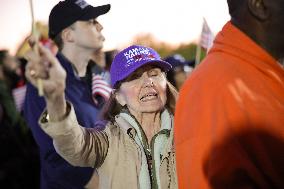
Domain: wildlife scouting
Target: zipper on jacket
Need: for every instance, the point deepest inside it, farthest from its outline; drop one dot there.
(149, 152)
(154, 171)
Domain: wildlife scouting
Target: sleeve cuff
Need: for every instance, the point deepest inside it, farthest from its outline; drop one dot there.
(60, 127)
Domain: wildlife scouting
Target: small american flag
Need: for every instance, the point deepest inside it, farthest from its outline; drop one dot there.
(207, 36)
(19, 95)
(100, 88)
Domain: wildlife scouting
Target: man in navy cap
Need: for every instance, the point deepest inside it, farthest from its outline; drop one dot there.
(76, 32)
(180, 71)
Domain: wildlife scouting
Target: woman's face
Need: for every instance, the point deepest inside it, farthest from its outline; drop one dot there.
(144, 91)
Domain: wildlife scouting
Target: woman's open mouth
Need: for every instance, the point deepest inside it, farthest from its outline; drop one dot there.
(149, 96)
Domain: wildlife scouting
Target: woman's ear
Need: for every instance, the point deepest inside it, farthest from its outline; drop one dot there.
(119, 98)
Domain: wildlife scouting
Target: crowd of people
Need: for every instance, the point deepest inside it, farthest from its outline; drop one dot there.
(19, 162)
(131, 119)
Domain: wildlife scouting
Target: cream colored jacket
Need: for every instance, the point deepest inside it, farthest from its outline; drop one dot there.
(117, 152)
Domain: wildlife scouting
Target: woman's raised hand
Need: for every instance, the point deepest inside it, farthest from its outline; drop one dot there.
(43, 65)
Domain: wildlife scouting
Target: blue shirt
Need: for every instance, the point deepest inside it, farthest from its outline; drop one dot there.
(56, 173)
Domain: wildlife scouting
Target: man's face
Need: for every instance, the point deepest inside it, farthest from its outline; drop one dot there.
(87, 34)
(10, 63)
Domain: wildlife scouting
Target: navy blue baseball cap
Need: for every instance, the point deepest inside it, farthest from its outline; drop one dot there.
(65, 13)
(177, 60)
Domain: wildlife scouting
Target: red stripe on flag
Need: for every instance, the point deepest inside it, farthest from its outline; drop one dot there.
(100, 88)
(19, 95)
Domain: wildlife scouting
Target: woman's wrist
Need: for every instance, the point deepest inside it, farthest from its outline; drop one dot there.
(56, 108)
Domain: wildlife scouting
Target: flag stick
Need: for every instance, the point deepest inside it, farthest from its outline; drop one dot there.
(35, 47)
(198, 54)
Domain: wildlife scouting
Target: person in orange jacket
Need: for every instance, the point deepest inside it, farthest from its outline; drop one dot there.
(229, 120)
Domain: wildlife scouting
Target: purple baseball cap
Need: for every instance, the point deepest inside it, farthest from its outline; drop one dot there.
(132, 58)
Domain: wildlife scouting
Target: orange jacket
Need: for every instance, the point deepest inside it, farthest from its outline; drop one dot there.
(229, 120)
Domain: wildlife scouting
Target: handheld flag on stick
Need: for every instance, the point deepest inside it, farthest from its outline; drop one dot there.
(207, 36)
(206, 40)
(35, 34)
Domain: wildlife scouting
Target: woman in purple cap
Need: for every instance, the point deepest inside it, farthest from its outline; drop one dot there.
(135, 148)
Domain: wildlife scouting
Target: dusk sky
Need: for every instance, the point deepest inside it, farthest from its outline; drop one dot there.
(171, 21)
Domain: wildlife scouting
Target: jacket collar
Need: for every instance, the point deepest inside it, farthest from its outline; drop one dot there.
(130, 126)
(235, 42)
(67, 65)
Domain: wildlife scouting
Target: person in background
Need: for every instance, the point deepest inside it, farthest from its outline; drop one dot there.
(99, 79)
(180, 71)
(19, 161)
(74, 28)
(229, 117)
(135, 149)
(11, 70)
(13, 76)
(109, 56)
